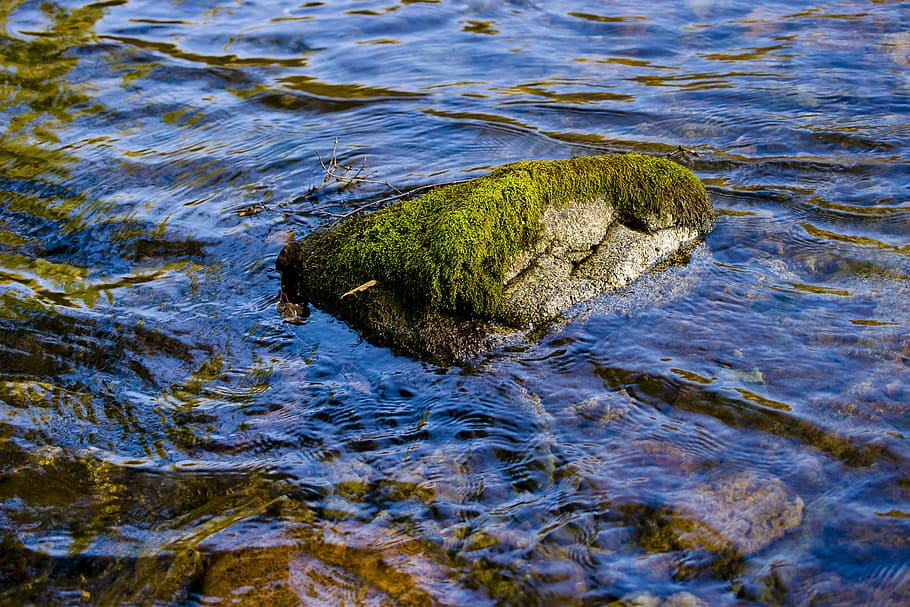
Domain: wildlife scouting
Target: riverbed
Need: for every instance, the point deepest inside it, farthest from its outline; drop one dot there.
(731, 429)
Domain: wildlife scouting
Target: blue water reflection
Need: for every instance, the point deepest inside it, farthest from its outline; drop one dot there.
(731, 430)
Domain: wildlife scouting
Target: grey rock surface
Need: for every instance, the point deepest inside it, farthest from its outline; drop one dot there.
(585, 252)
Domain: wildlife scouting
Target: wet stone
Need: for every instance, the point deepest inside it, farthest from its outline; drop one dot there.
(679, 599)
(742, 511)
(338, 564)
(468, 266)
(584, 253)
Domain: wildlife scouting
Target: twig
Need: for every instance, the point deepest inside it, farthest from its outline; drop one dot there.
(399, 196)
(335, 174)
(253, 209)
(682, 153)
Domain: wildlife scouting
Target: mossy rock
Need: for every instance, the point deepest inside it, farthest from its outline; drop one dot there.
(453, 269)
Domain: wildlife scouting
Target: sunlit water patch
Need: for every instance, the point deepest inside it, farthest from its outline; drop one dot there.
(730, 430)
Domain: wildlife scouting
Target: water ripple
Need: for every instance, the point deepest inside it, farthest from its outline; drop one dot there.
(165, 436)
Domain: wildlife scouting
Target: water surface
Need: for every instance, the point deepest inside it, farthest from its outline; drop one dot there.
(728, 431)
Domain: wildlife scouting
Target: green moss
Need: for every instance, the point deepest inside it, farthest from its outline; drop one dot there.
(450, 248)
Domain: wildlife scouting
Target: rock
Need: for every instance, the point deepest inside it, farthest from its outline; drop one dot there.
(585, 251)
(344, 563)
(448, 274)
(641, 599)
(646, 599)
(743, 511)
(683, 599)
(711, 528)
(734, 516)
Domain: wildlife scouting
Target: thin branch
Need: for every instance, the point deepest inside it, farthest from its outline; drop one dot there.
(682, 153)
(400, 195)
(335, 174)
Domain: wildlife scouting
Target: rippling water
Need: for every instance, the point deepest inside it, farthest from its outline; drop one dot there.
(729, 431)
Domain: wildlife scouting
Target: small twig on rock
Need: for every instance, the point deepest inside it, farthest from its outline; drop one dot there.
(361, 288)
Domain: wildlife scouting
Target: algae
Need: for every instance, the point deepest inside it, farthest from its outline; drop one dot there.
(450, 250)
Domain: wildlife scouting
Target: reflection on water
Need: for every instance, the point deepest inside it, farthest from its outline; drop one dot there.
(731, 430)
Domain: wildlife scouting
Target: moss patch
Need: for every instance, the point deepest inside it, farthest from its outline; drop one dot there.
(449, 249)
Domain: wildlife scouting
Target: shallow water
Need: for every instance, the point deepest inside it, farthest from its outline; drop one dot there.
(735, 428)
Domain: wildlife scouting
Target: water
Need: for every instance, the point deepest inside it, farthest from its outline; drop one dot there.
(732, 431)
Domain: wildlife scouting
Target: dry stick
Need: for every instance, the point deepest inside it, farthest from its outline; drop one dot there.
(331, 175)
(331, 171)
(682, 153)
(400, 195)
(333, 161)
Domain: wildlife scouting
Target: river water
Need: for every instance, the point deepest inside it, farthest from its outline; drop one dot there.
(734, 430)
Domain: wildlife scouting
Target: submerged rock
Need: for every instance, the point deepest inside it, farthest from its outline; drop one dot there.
(447, 274)
(343, 563)
(646, 599)
(714, 526)
(742, 511)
